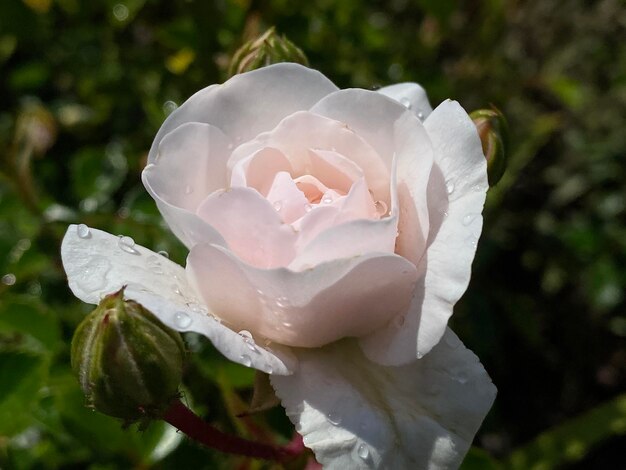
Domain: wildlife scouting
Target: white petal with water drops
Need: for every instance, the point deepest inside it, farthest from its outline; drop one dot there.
(355, 414)
(98, 266)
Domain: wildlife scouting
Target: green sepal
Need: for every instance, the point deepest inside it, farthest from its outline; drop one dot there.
(129, 364)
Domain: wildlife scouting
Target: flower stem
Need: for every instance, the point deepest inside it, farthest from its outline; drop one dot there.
(181, 417)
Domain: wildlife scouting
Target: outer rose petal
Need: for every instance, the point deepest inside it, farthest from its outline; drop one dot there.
(355, 414)
(250, 103)
(457, 187)
(410, 95)
(190, 164)
(96, 266)
(310, 308)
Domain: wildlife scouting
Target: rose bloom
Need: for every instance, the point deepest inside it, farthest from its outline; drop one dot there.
(330, 233)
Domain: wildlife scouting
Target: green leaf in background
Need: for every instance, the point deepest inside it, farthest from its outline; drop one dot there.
(479, 459)
(28, 323)
(572, 440)
(21, 378)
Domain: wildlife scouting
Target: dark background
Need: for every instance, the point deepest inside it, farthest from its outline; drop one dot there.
(84, 86)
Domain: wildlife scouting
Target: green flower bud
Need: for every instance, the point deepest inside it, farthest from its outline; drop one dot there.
(494, 135)
(267, 49)
(128, 363)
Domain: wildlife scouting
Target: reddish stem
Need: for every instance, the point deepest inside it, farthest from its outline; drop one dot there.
(181, 417)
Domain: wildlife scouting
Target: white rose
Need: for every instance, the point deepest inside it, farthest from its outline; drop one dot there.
(335, 231)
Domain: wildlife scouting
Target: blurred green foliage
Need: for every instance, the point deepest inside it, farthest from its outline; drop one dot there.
(84, 87)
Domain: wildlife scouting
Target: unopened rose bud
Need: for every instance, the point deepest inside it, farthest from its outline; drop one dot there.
(494, 135)
(129, 364)
(267, 49)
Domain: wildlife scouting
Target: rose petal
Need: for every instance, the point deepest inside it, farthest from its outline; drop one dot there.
(398, 136)
(190, 164)
(460, 170)
(344, 297)
(355, 205)
(302, 131)
(259, 169)
(333, 169)
(100, 264)
(357, 414)
(250, 103)
(251, 226)
(410, 95)
(286, 198)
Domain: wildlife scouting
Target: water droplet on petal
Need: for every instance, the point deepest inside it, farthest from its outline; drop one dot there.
(477, 188)
(249, 340)
(83, 231)
(471, 241)
(334, 418)
(282, 302)
(308, 208)
(182, 320)
(381, 208)
(269, 369)
(450, 187)
(164, 253)
(245, 360)
(420, 116)
(405, 102)
(461, 377)
(188, 189)
(363, 451)
(127, 244)
(93, 276)
(327, 200)
(400, 319)
(277, 206)
(469, 218)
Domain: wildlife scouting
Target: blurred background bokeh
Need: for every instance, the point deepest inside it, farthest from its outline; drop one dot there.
(84, 86)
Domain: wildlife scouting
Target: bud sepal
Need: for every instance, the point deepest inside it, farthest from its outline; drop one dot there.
(128, 363)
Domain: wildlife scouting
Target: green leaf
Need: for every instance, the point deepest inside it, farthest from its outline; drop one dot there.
(572, 440)
(479, 459)
(26, 321)
(21, 378)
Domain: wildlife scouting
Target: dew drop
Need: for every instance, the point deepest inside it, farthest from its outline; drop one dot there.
(461, 377)
(381, 207)
(308, 208)
(182, 320)
(8, 279)
(363, 451)
(188, 189)
(420, 116)
(477, 188)
(269, 369)
(127, 244)
(249, 340)
(400, 319)
(405, 102)
(471, 241)
(282, 302)
(334, 418)
(277, 206)
(164, 253)
(469, 218)
(450, 187)
(245, 360)
(83, 231)
(327, 200)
